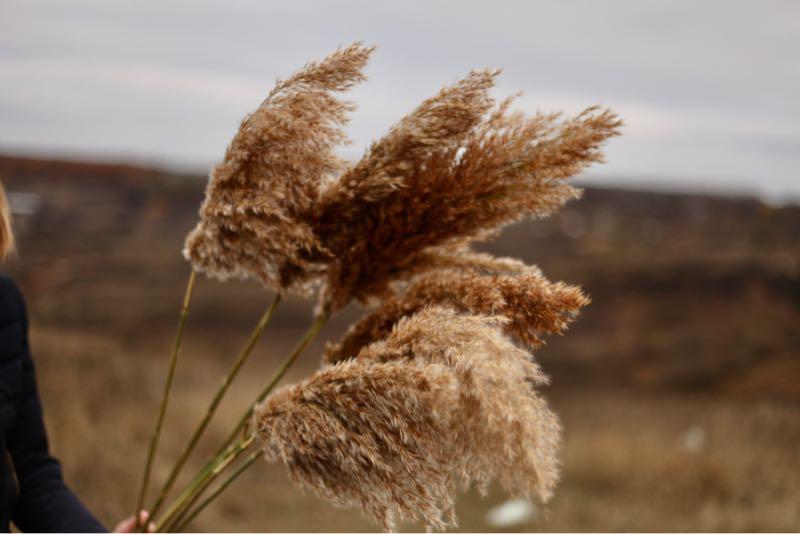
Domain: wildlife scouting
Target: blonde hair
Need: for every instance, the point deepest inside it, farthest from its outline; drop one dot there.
(7, 243)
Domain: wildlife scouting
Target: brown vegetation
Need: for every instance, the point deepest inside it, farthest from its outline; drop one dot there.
(454, 171)
(445, 400)
(693, 326)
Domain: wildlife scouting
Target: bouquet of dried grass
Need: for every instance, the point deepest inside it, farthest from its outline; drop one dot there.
(434, 388)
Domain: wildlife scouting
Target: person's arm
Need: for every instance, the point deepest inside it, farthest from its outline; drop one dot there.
(45, 504)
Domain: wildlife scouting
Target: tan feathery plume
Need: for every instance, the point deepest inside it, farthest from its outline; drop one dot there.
(363, 434)
(428, 391)
(251, 222)
(533, 305)
(456, 256)
(507, 166)
(509, 432)
(461, 257)
(345, 217)
(445, 399)
(439, 121)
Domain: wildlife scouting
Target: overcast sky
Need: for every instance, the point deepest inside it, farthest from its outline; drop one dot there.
(709, 90)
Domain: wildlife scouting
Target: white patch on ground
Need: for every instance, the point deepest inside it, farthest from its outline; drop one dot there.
(694, 438)
(512, 512)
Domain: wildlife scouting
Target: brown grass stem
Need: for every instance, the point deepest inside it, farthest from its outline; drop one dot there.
(223, 388)
(151, 452)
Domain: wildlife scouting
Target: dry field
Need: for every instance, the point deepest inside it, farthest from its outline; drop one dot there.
(679, 388)
(633, 461)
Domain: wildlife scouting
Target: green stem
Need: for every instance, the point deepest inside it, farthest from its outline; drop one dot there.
(216, 493)
(223, 388)
(154, 439)
(195, 486)
(307, 338)
(227, 446)
(196, 489)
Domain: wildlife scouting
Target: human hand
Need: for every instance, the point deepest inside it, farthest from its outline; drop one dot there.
(129, 523)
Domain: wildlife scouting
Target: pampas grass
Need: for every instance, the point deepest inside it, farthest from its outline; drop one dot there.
(252, 223)
(360, 434)
(445, 399)
(533, 306)
(435, 388)
(506, 167)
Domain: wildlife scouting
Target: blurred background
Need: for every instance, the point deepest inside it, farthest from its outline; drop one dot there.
(679, 387)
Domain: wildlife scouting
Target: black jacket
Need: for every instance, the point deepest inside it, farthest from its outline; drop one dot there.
(32, 492)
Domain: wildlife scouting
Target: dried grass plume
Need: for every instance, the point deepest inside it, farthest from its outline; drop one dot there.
(445, 400)
(533, 305)
(492, 168)
(252, 222)
(435, 388)
(284, 209)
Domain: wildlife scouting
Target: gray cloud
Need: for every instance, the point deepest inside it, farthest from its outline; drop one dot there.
(708, 89)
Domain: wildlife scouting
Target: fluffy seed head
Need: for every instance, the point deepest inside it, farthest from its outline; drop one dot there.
(360, 434)
(464, 187)
(251, 222)
(533, 305)
(284, 209)
(445, 400)
(509, 432)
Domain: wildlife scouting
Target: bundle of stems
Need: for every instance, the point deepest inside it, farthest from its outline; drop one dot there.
(239, 440)
(434, 387)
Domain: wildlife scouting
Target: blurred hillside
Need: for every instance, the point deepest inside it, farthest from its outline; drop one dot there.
(693, 325)
(689, 291)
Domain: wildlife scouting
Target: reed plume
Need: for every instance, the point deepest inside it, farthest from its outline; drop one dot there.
(439, 121)
(444, 400)
(509, 432)
(360, 434)
(533, 305)
(489, 171)
(284, 209)
(251, 222)
(435, 388)
(463, 257)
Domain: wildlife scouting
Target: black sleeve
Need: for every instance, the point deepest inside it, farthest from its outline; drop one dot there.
(45, 504)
